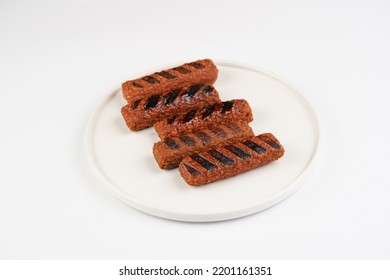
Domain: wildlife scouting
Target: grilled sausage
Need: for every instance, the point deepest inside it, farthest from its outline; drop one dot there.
(145, 112)
(227, 161)
(197, 119)
(198, 72)
(170, 152)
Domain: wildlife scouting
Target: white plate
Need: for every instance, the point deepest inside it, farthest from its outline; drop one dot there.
(124, 159)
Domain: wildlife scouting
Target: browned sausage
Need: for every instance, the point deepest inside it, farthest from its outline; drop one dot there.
(170, 152)
(197, 72)
(145, 112)
(228, 111)
(227, 161)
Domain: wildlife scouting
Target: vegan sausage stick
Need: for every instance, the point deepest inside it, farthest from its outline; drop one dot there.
(227, 161)
(197, 119)
(145, 112)
(197, 72)
(170, 152)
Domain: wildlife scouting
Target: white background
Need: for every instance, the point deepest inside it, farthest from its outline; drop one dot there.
(59, 59)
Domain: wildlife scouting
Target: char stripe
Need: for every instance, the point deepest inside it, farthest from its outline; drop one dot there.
(151, 80)
(137, 85)
(226, 106)
(187, 140)
(196, 65)
(166, 75)
(254, 147)
(207, 90)
(189, 116)
(203, 162)
(238, 152)
(191, 170)
(218, 131)
(208, 111)
(135, 104)
(221, 157)
(171, 119)
(182, 70)
(171, 143)
(272, 143)
(191, 91)
(233, 127)
(171, 96)
(152, 101)
(204, 137)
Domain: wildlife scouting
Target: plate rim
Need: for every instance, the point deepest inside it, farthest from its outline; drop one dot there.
(190, 217)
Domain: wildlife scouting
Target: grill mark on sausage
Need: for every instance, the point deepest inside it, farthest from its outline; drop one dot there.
(182, 70)
(171, 119)
(135, 104)
(269, 141)
(171, 143)
(189, 116)
(191, 170)
(187, 140)
(221, 157)
(204, 137)
(208, 111)
(171, 96)
(203, 162)
(226, 106)
(238, 152)
(207, 90)
(137, 85)
(166, 75)
(218, 131)
(233, 127)
(152, 101)
(196, 65)
(151, 80)
(191, 91)
(272, 144)
(254, 147)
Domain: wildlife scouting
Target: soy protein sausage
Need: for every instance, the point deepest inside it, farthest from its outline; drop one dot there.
(170, 152)
(197, 72)
(145, 112)
(196, 119)
(230, 160)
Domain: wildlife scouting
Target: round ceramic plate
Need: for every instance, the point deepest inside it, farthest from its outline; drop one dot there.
(123, 160)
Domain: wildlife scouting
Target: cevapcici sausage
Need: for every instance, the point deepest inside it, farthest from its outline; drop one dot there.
(145, 112)
(195, 119)
(227, 161)
(170, 152)
(198, 72)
